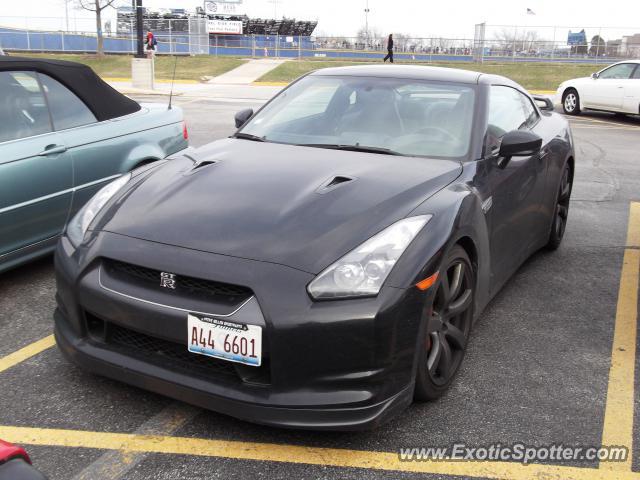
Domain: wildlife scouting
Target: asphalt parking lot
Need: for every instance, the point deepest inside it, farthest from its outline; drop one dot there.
(543, 366)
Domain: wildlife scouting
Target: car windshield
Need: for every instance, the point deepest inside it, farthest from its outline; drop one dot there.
(382, 115)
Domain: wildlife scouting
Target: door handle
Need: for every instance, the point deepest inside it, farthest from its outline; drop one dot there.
(52, 150)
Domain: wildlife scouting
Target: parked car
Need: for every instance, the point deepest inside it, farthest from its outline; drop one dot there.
(323, 267)
(15, 464)
(612, 89)
(64, 134)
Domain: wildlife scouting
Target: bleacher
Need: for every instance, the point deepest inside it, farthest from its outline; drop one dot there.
(177, 21)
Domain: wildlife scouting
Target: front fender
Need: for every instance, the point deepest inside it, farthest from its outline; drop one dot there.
(457, 218)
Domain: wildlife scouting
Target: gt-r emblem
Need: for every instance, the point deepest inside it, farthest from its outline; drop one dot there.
(168, 280)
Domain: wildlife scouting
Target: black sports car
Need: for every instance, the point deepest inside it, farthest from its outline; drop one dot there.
(323, 266)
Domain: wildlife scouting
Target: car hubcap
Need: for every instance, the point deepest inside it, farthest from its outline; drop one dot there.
(449, 322)
(570, 102)
(562, 208)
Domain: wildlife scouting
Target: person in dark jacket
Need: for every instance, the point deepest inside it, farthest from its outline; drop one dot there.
(389, 49)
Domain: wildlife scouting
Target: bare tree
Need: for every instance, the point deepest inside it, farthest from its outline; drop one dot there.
(517, 41)
(97, 6)
(401, 41)
(598, 46)
(368, 38)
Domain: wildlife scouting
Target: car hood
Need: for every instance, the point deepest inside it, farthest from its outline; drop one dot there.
(273, 202)
(576, 81)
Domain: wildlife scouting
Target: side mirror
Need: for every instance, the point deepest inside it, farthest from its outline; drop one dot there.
(242, 116)
(595, 75)
(543, 103)
(518, 143)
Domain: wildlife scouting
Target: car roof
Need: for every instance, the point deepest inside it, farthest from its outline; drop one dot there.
(103, 101)
(418, 72)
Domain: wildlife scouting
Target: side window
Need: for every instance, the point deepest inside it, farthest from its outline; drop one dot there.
(506, 113)
(529, 110)
(67, 110)
(23, 109)
(621, 71)
(636, 73)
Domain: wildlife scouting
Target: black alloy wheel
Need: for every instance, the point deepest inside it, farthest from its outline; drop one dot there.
(561, 213)
(448, 323)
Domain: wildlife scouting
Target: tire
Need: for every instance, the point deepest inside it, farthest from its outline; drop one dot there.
(571, 102)
(561, 211)
(446, 329)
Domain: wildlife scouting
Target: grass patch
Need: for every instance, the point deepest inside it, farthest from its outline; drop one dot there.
(188, 68)
(533, 76)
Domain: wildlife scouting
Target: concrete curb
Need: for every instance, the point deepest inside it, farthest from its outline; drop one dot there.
(163, 80)
(284, 84)
(143, 91)
(270, 84)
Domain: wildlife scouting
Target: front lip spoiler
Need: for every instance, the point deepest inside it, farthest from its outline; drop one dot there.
(149, 302)
(181, 387)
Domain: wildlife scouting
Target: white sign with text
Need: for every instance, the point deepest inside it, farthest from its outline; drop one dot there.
(228, 27)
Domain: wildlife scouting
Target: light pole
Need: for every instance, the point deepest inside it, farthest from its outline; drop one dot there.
(275, 7)
(139, 32)
(366, 23)
(66, 13)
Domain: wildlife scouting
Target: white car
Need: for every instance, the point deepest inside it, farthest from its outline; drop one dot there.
(613, 89)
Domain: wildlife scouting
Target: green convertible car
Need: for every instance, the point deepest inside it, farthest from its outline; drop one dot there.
(64, 133)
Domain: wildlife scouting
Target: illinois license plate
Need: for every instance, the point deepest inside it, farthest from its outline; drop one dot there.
(219, 338)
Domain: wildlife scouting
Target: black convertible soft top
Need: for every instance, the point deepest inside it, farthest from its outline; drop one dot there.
(104, 101)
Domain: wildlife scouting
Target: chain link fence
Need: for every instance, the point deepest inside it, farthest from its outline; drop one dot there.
(555, 43)
(490, 43)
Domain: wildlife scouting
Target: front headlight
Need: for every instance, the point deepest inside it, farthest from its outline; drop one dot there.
(80, 223)
(362, 271)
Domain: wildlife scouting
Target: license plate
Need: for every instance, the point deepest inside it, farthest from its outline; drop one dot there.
(230, 341)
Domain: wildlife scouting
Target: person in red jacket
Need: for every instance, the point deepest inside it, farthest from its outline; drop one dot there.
(150, 43)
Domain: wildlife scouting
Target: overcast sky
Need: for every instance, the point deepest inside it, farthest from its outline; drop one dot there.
(419, 18)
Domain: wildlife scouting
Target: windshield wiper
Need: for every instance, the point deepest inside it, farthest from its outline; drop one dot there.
(352, 148)
(248, 136)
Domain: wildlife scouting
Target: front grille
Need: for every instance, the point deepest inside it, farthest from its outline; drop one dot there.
(174, 355)
(168, 354)
(191, 287)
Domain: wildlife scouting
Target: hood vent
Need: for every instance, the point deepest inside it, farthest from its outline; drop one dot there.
(198, 165)
(203, 163)
(333, 183)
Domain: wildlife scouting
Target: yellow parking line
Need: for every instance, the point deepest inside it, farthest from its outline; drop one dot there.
(618, 418)
(25, 353)
(633, 232)
(334, 457)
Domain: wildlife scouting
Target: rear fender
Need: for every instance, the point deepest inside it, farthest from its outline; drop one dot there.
(141, 154)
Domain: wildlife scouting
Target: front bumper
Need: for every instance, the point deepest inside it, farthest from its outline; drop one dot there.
(339, 365)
